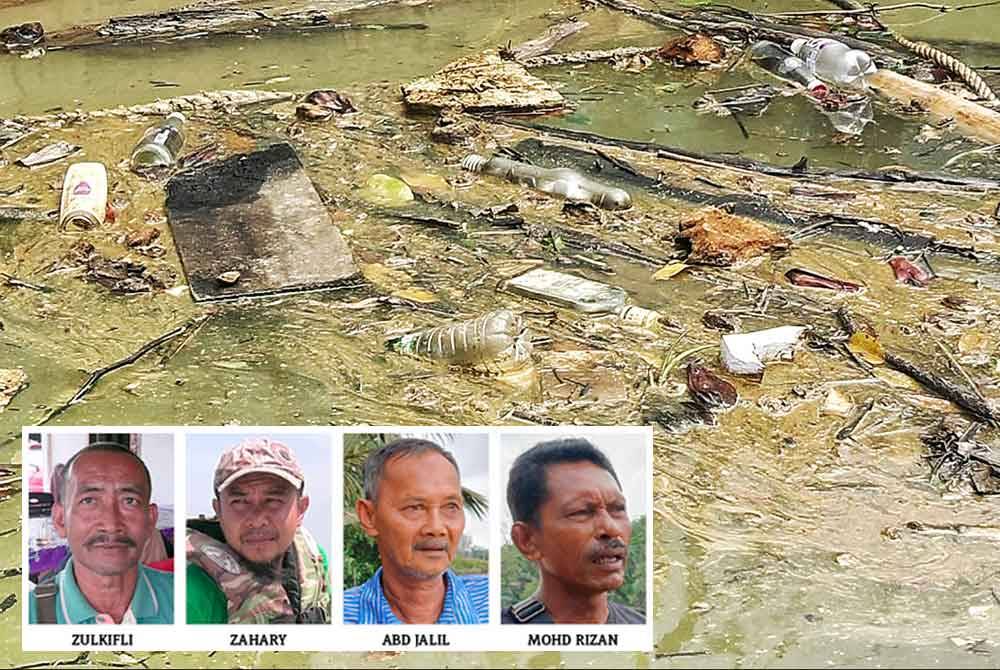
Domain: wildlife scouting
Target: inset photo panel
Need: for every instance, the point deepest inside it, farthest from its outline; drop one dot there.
(258, 528)
(416, 528)
(100, 527)
(575, 527)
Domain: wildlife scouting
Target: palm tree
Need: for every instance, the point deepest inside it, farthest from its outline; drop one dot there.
(357, 446)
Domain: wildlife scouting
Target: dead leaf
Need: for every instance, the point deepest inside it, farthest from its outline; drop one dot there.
(425, 182)
(669, 270)
(693, 49)
(972, 341)
(897, 379)
(415, 294)
(866, 347)
(720, 238)
(385, 278)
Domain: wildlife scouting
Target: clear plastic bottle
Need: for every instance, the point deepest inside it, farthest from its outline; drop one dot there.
(497, 340)
(564, 182)
(580, 294)
(783, 64)
(849, 115)
(834, 61)
(161, 144)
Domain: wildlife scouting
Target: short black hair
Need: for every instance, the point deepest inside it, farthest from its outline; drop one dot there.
(101, 448)
(407, 446)
(526, 487)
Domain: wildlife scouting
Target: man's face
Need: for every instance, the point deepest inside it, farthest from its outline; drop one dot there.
(259, 514)
(106, 516)
(584, 530)
(418, 517)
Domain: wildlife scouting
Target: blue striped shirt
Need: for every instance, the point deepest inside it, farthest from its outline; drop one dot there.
(466, 600)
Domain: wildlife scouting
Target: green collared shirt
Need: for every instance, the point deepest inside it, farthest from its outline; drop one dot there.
(152, 602)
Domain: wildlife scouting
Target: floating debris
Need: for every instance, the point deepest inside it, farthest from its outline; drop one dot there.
(381, 189)
(697, 49)
(497, 341)
(746, 353)
(709, 389)
(908, 273)
(837, 404)
(12, 132)
(12, 381)
(720, 238)
(483, 83)
(49, 154)
(228, 278)
(322, 104)
(812, 280)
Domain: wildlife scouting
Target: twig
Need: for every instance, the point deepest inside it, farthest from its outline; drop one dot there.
(961, 370)
(962, 397)
(20, 283)
(97, 375)
(80, 658)
(981, 150)
(944, 9)
(590, 56)
(851, 425)
(193, 331)
(552, 36)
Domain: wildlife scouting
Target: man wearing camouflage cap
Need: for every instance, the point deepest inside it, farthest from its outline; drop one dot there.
(256, 564)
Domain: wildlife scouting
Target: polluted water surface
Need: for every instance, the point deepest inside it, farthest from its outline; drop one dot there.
(816, 520)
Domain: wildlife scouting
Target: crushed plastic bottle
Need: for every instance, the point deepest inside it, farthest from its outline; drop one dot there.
(847, 115)
(834, 61)
(580, 294)
(497, 341)
(161, 144)
(564, 182)
(783, 64)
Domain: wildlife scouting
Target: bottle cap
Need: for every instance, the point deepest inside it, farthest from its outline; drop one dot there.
(797, 45)
(176, 115)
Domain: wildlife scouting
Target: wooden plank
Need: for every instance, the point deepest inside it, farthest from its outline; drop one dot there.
(972, 119)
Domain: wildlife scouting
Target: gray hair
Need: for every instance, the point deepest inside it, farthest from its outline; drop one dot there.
(99, 448)
(408, 446)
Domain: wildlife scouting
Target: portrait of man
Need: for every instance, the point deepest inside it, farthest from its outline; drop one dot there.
(413, 508)
(255, 562)
(104, 512)
(570, 519)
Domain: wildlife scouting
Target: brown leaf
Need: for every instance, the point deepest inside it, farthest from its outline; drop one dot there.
(812, 280)
(719, 238)
(692, 49)
(669, 270)
(866, 347)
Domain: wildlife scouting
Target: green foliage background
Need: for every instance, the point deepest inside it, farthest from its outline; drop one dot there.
(519, 576)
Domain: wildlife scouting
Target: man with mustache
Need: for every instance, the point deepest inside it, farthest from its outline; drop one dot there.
(103, 511)
(257, 563)
(570, 519)
(413, 508)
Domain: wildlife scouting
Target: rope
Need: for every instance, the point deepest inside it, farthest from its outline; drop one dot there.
(950, 63)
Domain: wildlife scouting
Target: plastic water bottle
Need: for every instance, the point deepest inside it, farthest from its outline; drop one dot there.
(834, 61)
(783, 64)
(564, 182)
(580, 294)
(849, 115)
(497, 340)
(161, 144)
